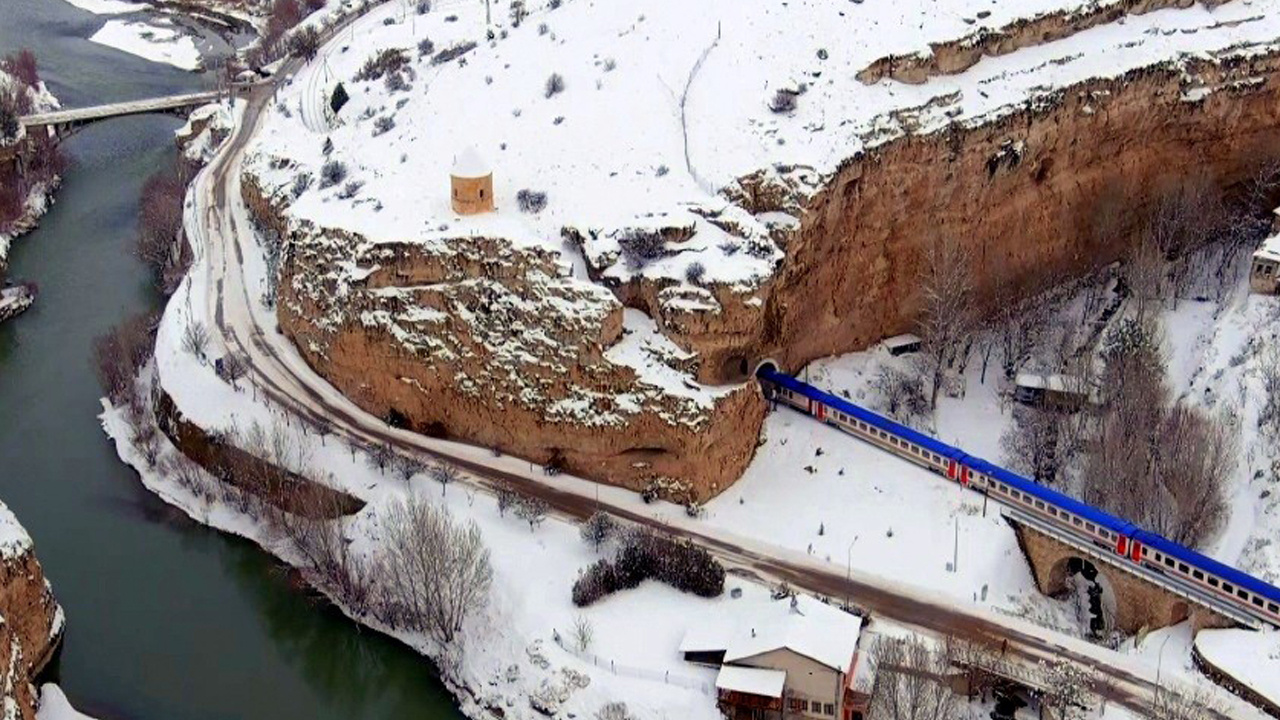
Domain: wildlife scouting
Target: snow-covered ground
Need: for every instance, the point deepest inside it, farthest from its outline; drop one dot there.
(610, 149)
(54, 705)
(156, 39)
(108, 7)
(1252, 658)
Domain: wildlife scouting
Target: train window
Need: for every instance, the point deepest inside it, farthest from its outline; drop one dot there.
(1226, 586)
(1242, 595)
(1090, 527)
(1273, 607)
(1182, 568)
(1077, 522)
(1168, 561)
(1213, 581)
(1197, 574)
(1257, 601)
(1040, 504)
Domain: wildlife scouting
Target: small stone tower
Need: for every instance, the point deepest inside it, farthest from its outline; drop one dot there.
(472, 182)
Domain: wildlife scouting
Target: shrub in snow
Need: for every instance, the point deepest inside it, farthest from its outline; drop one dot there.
(640, 247)
(555, 84)
(327, 148)
(554, 4)
(396, 82)
(195, 338)
(758, 248)
(543, 29)
(383, 124)
(453, 53)
(614, 711)
(518, 12)
(381, 63)
(784, 101)
(301, 183)
(822, 54)
(424, 7)
(531, 201)
(610, 64)
(597, 530)
(425, 47)
(661, 170)
(729, 248)
(338, 99)
(646, 555)
(332, 173)
(350, 190)
(695, 272)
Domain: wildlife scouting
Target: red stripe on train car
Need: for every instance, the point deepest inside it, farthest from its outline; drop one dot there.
(1122, 545)
(951, 469)
(1135, 551)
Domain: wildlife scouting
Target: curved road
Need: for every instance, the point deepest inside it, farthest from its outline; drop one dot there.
(221, 235)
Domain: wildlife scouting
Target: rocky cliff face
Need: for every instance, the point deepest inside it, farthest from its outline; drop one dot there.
(1049, 192)
(476, 339)
(32, 619)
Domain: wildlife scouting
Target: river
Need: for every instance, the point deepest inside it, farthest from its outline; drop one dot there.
(165, 618)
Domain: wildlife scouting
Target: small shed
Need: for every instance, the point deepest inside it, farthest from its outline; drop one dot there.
(1264, 270)
(471, 182)
(902, 344)
(1055, 392)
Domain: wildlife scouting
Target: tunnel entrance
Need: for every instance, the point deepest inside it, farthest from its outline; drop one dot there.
(1079, 582)
(765, 365)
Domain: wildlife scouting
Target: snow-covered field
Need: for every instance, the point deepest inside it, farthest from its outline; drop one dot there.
(664, 106)
(55, 706)
(108, 7)
(155, 39)
(1253, 658)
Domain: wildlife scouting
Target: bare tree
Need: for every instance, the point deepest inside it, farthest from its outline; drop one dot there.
(325, 550)
(438, 569)
(444, 473)
(1194, 704)
(947, 309)
(911, 683)
(583, 633)
(507, 498)
(1070, 690)
(1030, 444)
(234, 368)
(532, 510)
(380, 456)
(159, 242)
(1163, 467)
(901, 393)
(406, 466)
(195, 338)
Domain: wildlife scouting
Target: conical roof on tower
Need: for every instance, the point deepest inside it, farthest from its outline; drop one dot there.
(470, 164)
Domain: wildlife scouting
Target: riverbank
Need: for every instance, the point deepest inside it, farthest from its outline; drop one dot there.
(30, 165)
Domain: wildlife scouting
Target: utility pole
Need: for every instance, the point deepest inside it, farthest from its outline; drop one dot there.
(488, 16)
(848, 572)
(955, 549)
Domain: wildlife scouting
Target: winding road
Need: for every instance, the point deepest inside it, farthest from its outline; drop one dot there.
(222, 235)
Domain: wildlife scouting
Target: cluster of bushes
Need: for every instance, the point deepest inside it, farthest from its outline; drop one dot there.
(160, 243)
(645, 555)
(640, 247)
(382, 63)
(531, 201)
(453, 53)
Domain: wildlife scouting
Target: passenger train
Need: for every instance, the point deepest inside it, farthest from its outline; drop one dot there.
(1200, 578)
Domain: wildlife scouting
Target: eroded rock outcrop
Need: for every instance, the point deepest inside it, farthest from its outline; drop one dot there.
(31, 621)
(477, 339)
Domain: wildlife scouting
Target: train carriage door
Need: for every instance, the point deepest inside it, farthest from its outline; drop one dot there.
(809, 407)
(964, 476)
(1122, 545)
(1135, 551)
(820, 412)
(952, 470)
